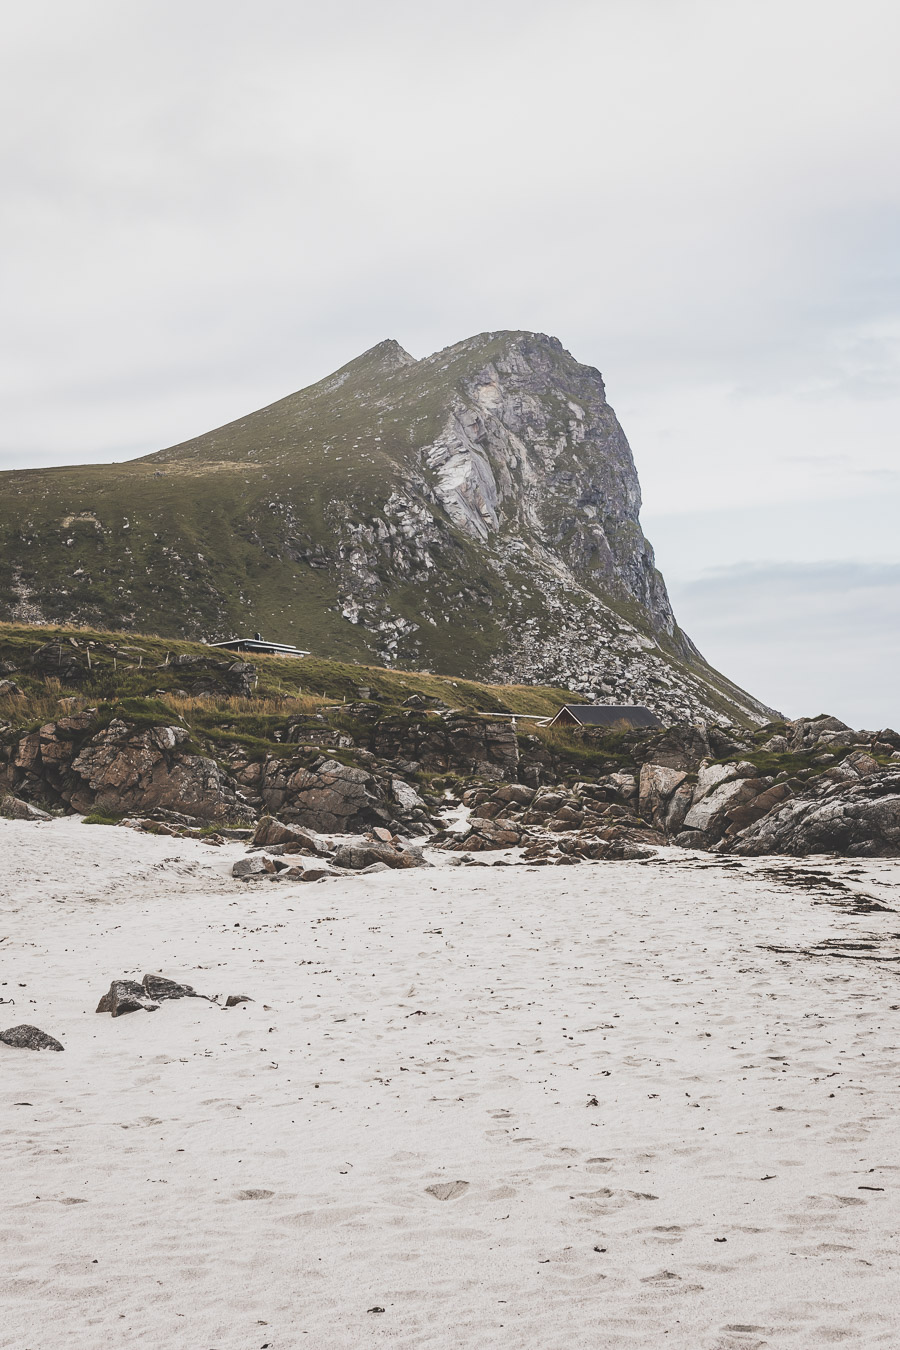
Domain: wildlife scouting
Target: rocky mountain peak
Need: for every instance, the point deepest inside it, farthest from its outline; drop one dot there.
(474, 512)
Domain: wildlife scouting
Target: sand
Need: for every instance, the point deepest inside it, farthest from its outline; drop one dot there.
(616, 1105)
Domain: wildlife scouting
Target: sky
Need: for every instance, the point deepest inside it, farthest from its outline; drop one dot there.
(207, 205)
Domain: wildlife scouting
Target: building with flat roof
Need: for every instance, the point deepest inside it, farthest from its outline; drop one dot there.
(258, 645)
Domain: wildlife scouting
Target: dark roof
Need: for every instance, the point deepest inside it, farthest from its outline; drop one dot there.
(608, 714)
(258, 645)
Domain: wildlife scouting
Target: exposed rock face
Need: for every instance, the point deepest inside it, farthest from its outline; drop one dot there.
(122, 770)
(657, 784)
(330, 797)
(860, 819)
(482, 519)
(456, 742)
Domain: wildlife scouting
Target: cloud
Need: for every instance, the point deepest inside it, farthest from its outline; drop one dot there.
(806, 638)
(204, 212)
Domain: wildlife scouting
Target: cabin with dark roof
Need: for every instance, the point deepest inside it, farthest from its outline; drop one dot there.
(259, 647)
(605, 715)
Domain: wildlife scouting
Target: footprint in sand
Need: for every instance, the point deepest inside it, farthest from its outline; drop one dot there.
(254, 1194)
(447, 1190)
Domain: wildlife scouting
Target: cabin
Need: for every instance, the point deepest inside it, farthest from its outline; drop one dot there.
(605, 715)
(259, 647)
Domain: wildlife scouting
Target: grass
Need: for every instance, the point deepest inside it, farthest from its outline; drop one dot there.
(245, 528)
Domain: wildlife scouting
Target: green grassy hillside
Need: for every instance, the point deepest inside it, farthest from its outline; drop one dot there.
(474, 512)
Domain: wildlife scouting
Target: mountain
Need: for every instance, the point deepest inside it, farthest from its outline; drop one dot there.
(474, 512)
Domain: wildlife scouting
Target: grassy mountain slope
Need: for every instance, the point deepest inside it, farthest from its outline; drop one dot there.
(474, 512)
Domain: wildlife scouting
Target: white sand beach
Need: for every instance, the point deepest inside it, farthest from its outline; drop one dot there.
(673, 1109)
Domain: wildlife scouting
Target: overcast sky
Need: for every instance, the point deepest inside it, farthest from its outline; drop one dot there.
(208, 204)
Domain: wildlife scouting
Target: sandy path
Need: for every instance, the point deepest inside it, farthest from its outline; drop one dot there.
(230, 1180)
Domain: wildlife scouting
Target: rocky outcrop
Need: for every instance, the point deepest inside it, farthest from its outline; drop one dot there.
(328, 796)
(121, 769)
(859, 819)
(451, 742)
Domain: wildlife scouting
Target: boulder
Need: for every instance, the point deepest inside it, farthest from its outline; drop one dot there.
(861, 762)
(678, 806)
(12, 808)
(363, 855)
(25, 1037)
(126, 996)
(657, 784)
(710, 776)
(708, 814)
(406, 797)
(692, 839)
(158, 988)
(860, 818)
(515, 792)
(254, 866)
(330, 797)
(270, 833)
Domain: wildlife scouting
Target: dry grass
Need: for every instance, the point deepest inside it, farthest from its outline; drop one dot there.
(267, 705)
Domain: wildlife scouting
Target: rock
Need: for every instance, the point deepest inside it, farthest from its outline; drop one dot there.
(860, 818)
(329, 797)
(709, 778)
(12, 808)
(158, 988)
(234, 999)
(9, 688)
(515, 792)
(708, 814)
(777, 745)
(657, 784)
(374, 867)
(681, 747)
(691, 839)
(255, 866)
(406, 797)
(382, 835)
(679, 804)
(355, 857)
(26, 1037)
(860, 762)
(624, 784)
(209, 675)
(271, 832)
(124, 770)
(126, 996)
